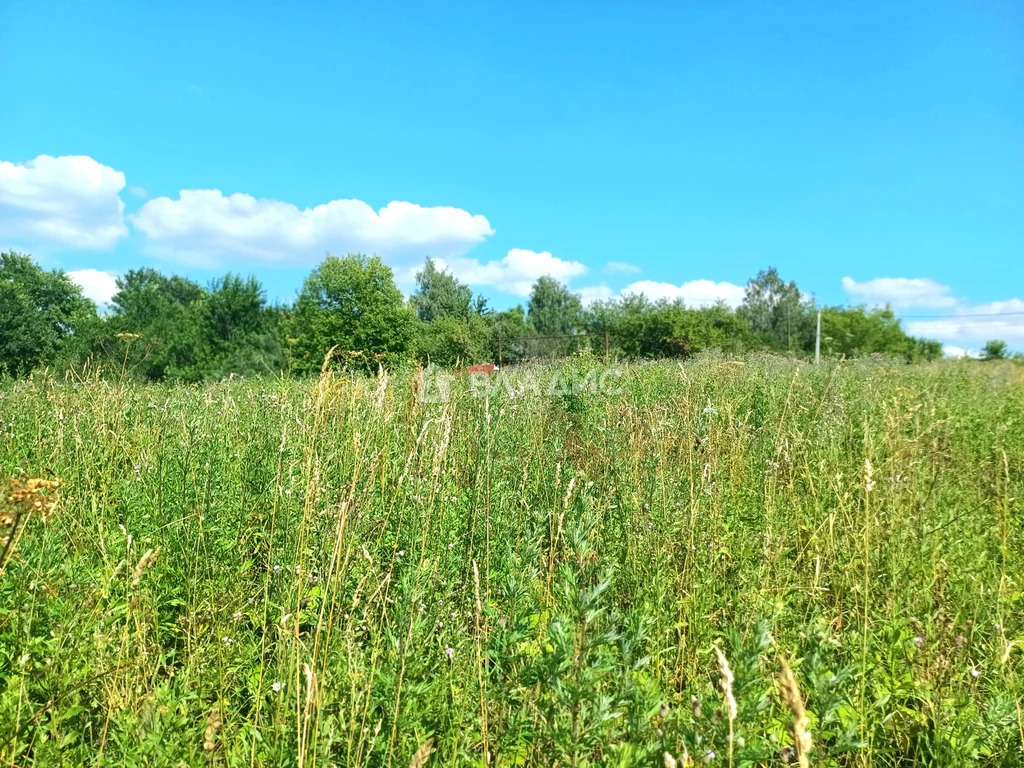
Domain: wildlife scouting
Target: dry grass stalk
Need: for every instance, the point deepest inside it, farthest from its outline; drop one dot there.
(795, 703)
(422, 754)
(730, 700)
(145, 562)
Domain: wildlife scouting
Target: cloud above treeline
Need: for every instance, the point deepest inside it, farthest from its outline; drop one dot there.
(900, 292)
(70, 201)
(962, 325)
(74, 202)
(201, 225)
(95, 284)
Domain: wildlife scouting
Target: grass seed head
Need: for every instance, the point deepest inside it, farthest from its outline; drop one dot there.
(727, 681)
(795, 703)
(419, 759)
(35, 495)
(145, 562)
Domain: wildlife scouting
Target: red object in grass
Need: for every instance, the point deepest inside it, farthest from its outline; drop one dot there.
(483, 368)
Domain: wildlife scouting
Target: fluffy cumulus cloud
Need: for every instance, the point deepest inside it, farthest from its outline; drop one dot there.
(592, 293)
(952, 350)
(961, 326)
(205, 225)
(514, 273)
(70, 201)
(970, 326)
(900, 292)
(694, 293)
(96, 285)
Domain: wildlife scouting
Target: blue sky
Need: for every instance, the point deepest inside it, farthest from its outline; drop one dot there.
(675, 148)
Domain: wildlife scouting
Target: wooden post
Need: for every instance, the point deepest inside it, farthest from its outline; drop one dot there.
(499, 349)
(606, 346)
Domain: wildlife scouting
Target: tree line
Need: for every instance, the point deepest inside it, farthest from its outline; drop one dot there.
(166, 327)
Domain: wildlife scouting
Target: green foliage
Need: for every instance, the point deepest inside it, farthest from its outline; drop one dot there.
(641, 329)
(169, 328)
(775, 311)
(41, 315)
(339, 571)
(352, 303)
(172, 328)
(448, 341)
(242, 333)
(439, 295)
(451, 328)
(995, 349)
(509, 332)
(924, 350)
(552, 310)
(860, 331)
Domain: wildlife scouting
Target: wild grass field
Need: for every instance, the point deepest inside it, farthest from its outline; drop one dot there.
(734, 564)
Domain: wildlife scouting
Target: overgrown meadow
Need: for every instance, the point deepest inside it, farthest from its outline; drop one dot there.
(350, 572)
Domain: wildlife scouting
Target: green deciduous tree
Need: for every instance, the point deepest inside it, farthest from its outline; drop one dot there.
(164, 313)
(508, 335)
(925, 349)
(451, 326)
(350, 302)
(172, 328)
(775, 311)
(994, 349)
(553, 310)
(640, 328)
(439, 294)
(853, 331)
(42, 314)
(449, 341)
(243, 334)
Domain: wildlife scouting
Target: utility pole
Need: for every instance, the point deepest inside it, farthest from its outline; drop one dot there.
(817, 340)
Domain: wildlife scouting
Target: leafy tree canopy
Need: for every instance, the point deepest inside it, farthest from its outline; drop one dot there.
(440, 295)
(350, 302)
(995, 349)
(552, 310)
(164, 327)
(773, 309)
(40, 314)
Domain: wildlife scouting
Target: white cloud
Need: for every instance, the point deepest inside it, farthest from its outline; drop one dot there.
(204, 225)
(694, 293)
(621, 266)
(901, 292)
(963, 330)
(975, 324)
(951, 350)
(65, 201)
(514, 273)
(592, 293)
(96, 285)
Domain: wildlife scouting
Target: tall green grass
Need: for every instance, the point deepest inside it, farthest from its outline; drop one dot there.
(337, 573)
